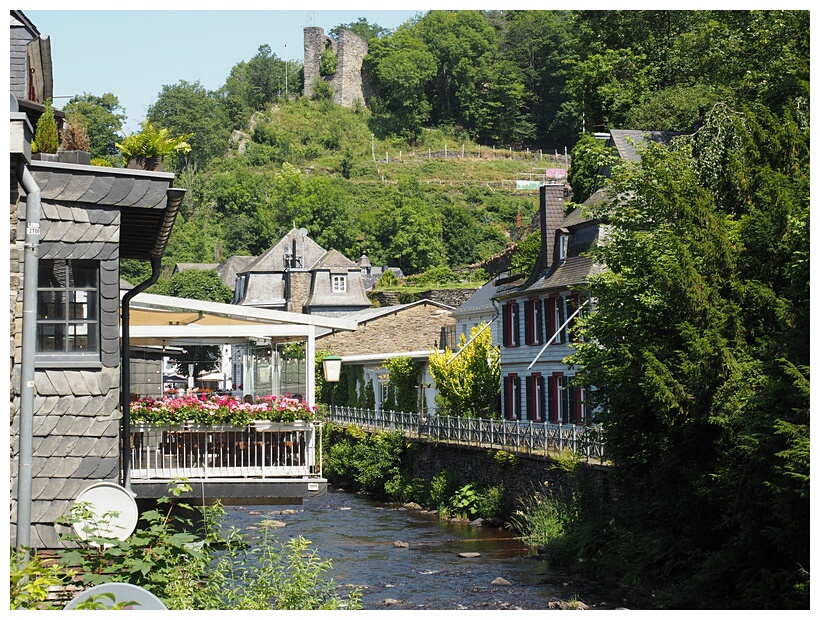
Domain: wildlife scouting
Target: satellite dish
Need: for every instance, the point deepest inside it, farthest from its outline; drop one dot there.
(303, 231)
(114, 510)
(123, 593)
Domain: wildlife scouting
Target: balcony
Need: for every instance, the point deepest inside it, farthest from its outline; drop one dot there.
(261, 463)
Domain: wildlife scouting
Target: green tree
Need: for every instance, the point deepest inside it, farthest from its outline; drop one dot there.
(539, 43)
(697, 348)
(469, 380)
(410, 234)
(362, 28)
(202, 284)
(402, 66)
(188, 108)
(102, 117)
(589, 158)
(526, 254)
(464, 46)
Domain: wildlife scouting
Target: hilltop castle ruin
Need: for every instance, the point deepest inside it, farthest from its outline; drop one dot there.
(346, 82)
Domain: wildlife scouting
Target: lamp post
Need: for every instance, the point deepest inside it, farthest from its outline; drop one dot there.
(331, 367)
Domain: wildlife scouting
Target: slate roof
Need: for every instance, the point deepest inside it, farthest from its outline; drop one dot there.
(228, 269)
(265, 290)
(273, 259)
(627, 141)
(334, 261)
(482, 300)
(146, 201)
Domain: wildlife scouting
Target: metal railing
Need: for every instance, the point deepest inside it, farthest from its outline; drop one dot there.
(516, 436)
(263, 450)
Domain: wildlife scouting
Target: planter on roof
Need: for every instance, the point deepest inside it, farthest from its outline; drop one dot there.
(141, 162)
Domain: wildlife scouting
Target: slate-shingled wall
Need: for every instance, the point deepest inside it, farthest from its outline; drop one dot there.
(76, 411)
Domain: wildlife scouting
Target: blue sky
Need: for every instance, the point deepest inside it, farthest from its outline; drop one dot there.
(132, 54)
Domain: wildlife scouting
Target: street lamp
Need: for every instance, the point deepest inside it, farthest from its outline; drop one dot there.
(331, 367)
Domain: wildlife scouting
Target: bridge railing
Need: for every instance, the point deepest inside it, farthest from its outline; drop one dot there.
(516, 436)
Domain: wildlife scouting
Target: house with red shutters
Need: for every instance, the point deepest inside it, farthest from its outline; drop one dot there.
(537, 317)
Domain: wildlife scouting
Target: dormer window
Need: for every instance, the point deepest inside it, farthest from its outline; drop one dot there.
(563, 244)
(339, 284)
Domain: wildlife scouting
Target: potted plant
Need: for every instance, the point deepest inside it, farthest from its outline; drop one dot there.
(74, 144)
(46, 137)
(145, 150)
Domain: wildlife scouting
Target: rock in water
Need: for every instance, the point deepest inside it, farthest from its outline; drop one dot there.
(500, 581)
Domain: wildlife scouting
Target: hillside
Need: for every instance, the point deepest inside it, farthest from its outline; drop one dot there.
(442, 202)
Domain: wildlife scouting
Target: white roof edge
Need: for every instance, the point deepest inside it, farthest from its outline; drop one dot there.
(375, 357)
(166, 302)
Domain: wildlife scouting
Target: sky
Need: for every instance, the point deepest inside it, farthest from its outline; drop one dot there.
(133, 54)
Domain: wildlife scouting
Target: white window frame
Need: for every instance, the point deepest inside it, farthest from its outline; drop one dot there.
(338, 283)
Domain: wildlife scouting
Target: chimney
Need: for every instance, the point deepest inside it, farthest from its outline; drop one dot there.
(550, 216)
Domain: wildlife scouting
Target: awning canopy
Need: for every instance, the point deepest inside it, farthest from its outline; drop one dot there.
(159, 319)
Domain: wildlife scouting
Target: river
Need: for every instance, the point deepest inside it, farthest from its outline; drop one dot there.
(357, 534)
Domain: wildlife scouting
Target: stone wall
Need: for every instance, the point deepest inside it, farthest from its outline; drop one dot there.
(347, 83)
(452, 297)
(315, 41)
(414, 328)
(298, 289)
(350, 52)
(519, 476)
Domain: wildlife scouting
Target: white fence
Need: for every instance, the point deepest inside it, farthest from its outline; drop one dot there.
(517, 436)
(263, 450)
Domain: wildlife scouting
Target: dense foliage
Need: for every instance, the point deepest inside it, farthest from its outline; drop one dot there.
(379, 463)
(699, 350)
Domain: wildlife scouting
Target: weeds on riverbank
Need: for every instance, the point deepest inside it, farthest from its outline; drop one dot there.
(208, 570)
(375, 463)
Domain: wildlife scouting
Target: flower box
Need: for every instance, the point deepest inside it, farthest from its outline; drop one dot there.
(214, 410)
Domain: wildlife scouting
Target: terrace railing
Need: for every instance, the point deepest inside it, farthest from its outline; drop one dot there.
(516, 436)
(262, 450)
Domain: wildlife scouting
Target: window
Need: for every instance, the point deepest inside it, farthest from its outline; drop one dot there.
(339, 284)
(533, 325)
(535, 397)
(510, 325)
(512, 398)
(563, 244)
(68, 309)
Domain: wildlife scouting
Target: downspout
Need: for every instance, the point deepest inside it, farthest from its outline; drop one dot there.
(175, 196)
(29, 336)
(125, 383)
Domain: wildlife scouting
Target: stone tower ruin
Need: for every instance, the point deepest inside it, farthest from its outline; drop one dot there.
(350, 51)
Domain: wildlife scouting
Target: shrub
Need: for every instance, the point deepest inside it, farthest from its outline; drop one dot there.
(464, 502)
(75, 137)
(490, 503)
(46, 138)
(388, 280)
(322, 90)
(31, 579)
